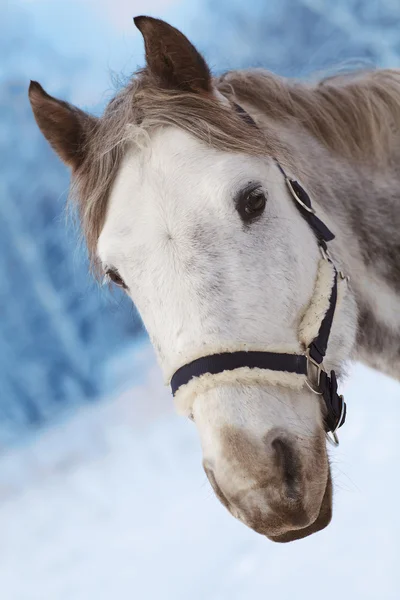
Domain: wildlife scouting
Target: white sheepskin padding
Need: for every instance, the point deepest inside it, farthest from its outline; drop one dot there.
(186, 395)
(319, 304)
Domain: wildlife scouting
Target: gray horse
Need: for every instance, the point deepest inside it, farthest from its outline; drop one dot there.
(205, 199)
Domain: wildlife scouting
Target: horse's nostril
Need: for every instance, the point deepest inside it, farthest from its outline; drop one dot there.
(287, 460)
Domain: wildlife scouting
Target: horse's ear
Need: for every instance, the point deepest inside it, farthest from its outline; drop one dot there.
(64, 126)
(171, 58)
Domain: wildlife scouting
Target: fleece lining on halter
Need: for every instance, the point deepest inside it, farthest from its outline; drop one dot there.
(319, 304)
(186, 394)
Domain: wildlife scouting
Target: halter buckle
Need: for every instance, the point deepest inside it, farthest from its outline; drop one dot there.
(319, 368)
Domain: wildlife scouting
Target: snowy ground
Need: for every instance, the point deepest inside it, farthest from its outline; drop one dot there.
(114, 505)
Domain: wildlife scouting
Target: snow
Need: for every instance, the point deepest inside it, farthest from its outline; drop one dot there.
(113, 503)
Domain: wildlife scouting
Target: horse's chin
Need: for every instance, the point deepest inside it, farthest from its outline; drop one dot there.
(322, 521)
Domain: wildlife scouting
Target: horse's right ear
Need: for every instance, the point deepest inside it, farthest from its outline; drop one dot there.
(172, 59)
(64, 126)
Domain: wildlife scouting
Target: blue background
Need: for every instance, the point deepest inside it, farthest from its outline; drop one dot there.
(102, 494)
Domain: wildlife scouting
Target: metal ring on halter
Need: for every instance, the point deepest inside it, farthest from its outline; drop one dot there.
(308, 384)
(298, 200)
(344, 277)
(325, 253)
(333, 438)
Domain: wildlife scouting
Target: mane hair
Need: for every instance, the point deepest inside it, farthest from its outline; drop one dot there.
(356, 116)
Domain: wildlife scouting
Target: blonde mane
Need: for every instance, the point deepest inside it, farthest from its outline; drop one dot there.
(355, 116)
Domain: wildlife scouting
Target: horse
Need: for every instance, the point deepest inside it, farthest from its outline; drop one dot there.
(233, 210)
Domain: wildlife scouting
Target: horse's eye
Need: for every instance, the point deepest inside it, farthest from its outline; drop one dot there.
(251, 203)
(255, 203)
(115, 277)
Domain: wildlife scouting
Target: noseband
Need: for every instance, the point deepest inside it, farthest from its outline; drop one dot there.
(310, 363)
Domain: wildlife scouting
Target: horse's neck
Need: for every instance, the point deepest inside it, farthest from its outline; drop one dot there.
(364, 212)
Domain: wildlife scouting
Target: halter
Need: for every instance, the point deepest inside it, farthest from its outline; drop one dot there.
(308, 366)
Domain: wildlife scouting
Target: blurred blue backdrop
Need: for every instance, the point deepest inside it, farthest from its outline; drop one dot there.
(102, 494)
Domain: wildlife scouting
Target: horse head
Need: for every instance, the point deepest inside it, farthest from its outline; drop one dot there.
(185, 207)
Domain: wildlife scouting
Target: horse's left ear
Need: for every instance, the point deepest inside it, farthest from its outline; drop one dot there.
(172, 59)
(66, 127)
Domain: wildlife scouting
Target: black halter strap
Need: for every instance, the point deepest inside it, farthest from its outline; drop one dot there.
(326, 385)
(304, 206)
(229, 361)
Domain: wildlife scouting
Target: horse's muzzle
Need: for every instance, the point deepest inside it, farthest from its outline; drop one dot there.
(287, 500)
(322, 521)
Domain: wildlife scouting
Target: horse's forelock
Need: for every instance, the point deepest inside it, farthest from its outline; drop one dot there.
(135, 111)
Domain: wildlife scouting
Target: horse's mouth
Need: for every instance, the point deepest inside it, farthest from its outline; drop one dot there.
(322, 521)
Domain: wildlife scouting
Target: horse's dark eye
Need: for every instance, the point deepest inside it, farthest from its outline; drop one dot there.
(255, 203)
(115, 277)
(251, 203)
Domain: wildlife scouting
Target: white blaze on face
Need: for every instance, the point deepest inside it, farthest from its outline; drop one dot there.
(204, 281)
